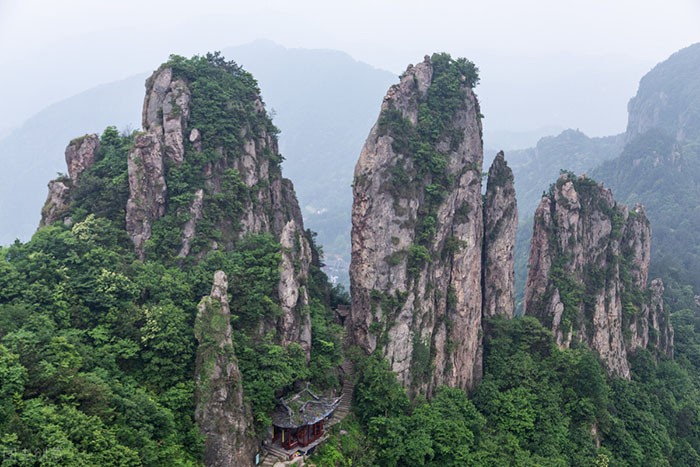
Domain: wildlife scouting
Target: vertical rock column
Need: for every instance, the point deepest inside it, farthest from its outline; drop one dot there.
(417, 227)
(221, 413)
(165, 115)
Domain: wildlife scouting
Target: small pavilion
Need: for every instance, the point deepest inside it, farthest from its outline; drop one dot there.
(299, 419)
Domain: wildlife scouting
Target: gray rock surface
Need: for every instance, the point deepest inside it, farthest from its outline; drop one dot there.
(294, 326)
(147, 189)
(80, 155)
(165, 115)
(56, 202)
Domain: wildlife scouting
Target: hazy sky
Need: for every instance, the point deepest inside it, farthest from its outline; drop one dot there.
(50, 50)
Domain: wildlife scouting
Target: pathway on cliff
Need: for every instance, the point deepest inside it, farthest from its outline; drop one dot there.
(273, 455)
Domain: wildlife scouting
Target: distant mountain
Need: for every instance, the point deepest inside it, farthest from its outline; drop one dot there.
(324, 102)
(536, 168)
(660, 167)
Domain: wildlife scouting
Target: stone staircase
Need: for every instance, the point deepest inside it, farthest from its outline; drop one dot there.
(272, 456)
(348, 390)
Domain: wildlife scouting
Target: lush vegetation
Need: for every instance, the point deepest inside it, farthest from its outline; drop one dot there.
(536, 405)
(97, 347)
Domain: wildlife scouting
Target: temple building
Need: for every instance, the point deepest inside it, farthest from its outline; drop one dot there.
(299, 419)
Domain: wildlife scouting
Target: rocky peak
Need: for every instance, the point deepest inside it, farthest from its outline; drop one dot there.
(80, 154)
(166, 111)
(417, 229)
(224, 418)
(234, 183)
(588, 269)
(500, 226)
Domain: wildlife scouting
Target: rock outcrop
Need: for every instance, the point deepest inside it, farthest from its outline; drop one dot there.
(223, 416)
(241, 189)
(80, 155)
(57, 202)
(417, 229)
(662, 334)
(500, 226)
(588, 269)
(294, 324)
(147, 188)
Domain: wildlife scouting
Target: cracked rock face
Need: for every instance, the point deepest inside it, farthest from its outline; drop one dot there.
(415, 274)
(223, 416)
(294, 325)
(147, 188)
(588, 269)
(500, 226)
(56, 204)
(165, 115)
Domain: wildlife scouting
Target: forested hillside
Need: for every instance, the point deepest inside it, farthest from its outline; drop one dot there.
(537, 405)
(97, 346)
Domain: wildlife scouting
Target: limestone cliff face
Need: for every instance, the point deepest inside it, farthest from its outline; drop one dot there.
(223, 416)
(147, 189)
(417, 230)
(661, 330)
(80, 155)
(588, 269)
(500, 226)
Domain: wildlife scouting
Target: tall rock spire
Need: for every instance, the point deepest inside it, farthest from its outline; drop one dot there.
(417, 229)
(500, 226)
(223, 416)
